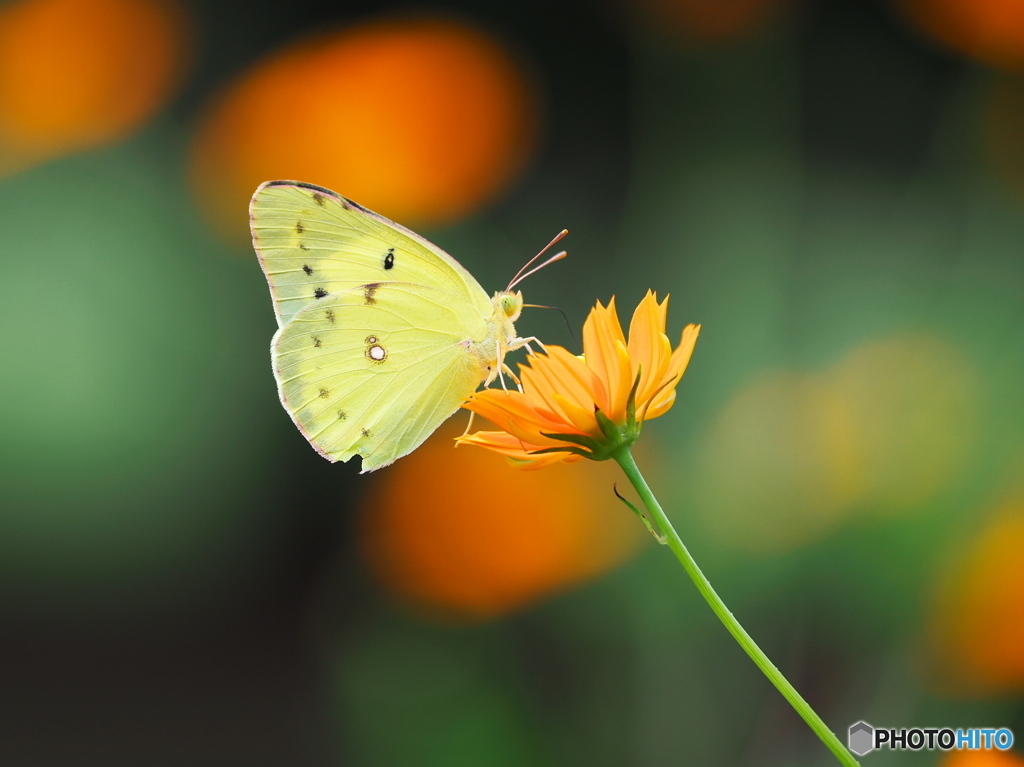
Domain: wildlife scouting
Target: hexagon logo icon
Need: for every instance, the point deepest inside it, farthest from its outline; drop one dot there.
(861, 738)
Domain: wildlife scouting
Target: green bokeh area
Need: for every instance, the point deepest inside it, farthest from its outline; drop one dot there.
(132, 401)
(181, 581)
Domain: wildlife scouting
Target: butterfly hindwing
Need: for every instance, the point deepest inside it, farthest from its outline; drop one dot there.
(313, 242)
(374, 370)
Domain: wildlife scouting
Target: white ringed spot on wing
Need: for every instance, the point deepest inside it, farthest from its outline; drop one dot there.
(375, 352)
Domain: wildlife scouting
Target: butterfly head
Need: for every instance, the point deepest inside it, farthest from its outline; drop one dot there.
(509, 303)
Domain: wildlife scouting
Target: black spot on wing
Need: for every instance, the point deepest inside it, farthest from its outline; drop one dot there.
(369, 291)
(342, 415)
(318, 199)
(299, 228)
(325, 393)
(302, 247)
(389, 259)
(319, 292)
(365, 432)
(307, 268)
(317, 342)
(330, 315)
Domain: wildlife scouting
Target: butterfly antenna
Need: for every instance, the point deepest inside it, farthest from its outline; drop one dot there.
(556, 257)
(564, 317)
(520, 276)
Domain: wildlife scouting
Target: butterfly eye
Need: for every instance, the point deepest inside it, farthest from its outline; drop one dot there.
(511, 304)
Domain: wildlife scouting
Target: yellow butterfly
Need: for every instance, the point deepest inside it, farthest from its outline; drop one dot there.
(382, 335)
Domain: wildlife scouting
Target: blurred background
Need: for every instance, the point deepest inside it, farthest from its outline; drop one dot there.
(834, 189)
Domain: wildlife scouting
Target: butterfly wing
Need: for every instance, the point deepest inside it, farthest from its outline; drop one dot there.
(374, 373)
(313, 242)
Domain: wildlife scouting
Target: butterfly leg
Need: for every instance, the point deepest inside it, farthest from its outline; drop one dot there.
(503, 368)
(513, 376)
(520, 343)
(469, 424)
(501, 365)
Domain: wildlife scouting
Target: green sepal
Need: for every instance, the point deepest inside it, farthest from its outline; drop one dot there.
(573, 450)
(577, 439)
(631, 402)
(607, 425)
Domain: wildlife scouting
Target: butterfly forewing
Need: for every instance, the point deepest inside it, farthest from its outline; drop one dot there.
(312, 242)
(375, 375)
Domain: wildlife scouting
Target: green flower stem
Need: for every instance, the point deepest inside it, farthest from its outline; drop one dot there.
(625, 459)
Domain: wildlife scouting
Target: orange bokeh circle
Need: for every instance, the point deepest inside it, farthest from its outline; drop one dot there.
(420, 120)
(462, 534)
(991, 31)
(80, 73)
(977, 626)
(982, 758)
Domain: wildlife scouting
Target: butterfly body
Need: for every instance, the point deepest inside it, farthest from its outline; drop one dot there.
(382, 335)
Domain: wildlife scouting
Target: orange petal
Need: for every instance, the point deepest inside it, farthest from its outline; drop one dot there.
(647, 350)
(561, 373)
(681, 356)
(568, 375)
(620, 389)
(662, 358)
(539, 389)
(601, 331)
(511, 410)
(582, 419)
(493, 404)
(498, 441)
(542, 461)
(514, 449)
(661, 404)
(664, 399)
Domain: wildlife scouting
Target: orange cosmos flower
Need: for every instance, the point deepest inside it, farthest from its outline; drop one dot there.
(587, 407)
